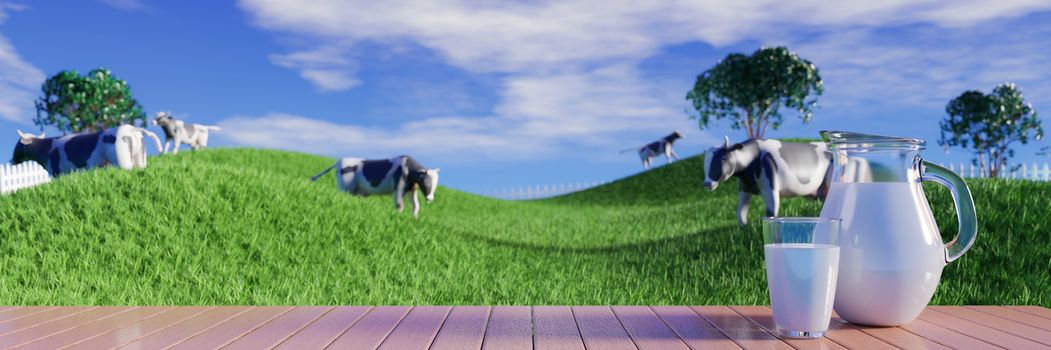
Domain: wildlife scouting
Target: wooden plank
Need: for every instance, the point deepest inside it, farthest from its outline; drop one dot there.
(236, 327)
(41, 330)
(19, 312)
(1015, 315)
(464, 328)
(371, 330)
(279, 329)
(979, 331)
(852, 338)
(692, 329)
(92, 329)
(1009, 326)
(17, 324)
(555, 329)
(187, 328)
(646, 329)
(945, 336)
(1034, 310)
(891, 335)
(764, 318)
(510, 327)
(601, 329)
(140, 329)
(327, 328)
(738, 328)
(417, 329)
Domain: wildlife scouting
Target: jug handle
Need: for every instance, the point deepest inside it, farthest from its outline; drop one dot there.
(961, 196)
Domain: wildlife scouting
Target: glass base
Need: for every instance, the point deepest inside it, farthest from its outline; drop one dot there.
(800, 334)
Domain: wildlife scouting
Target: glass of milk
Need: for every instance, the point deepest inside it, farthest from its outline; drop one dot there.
(802, 259)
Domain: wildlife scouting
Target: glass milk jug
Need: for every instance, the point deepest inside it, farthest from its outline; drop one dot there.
(891, 252)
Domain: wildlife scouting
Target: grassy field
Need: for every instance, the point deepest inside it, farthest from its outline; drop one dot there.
(243, 226)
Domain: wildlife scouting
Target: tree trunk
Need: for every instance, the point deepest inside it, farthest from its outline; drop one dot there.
(981, 164)
(748, 123)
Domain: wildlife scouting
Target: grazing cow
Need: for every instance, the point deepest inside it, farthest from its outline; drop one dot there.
(398, 175)
(177, 132)
(656, 148)
(121, 146)
(770, 168)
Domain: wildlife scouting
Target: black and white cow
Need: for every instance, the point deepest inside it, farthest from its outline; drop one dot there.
(179, 132)
(399, 175)
(656, 148)
(120, 146)
(770, 168)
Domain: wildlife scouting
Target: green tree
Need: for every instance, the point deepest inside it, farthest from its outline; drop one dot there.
(989, 124)
(751, 90)
(75, 103)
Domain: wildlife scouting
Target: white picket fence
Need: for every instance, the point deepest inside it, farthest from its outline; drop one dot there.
(19, 176)
(541, 191)
(1031, 171)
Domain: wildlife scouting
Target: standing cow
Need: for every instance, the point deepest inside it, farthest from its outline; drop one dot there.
(770, 168)
(656, 148)
(398, 175)
(120, 146)
(178, 132)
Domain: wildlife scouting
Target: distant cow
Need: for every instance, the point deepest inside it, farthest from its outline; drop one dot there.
(656, 148)
(120, 146)
(398, 175)
(770, 168)
(178, 132)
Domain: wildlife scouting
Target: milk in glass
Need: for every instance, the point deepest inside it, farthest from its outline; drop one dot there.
(802, 281)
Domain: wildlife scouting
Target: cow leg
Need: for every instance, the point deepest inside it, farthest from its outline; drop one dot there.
(673, 155)
(771, 192)
(167, 143)
(743, 199)
(415, 204)
(175, 147)
(399, 195)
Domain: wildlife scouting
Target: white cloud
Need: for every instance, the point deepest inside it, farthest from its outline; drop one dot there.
(19, 80)
(126, 5)
(569, 68)
(325, 68)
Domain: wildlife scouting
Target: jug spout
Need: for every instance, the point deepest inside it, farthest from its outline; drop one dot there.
(846, 140)
(860, 158)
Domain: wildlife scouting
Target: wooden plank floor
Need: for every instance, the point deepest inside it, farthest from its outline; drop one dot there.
(500, 327)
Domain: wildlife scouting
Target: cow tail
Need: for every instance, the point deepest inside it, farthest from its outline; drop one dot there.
(211, 127)
(629, 149)
(156, 139)
(323, 172)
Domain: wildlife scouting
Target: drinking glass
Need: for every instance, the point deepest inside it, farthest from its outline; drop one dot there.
(802, 261)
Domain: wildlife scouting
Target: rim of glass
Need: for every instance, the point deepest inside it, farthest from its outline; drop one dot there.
(800, 219)
(853, 140)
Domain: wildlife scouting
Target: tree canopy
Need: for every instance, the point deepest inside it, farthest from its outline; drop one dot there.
(75, 103)
(989, 124)
(751, 90)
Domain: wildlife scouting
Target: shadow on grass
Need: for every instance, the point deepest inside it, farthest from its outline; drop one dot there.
(674, 241)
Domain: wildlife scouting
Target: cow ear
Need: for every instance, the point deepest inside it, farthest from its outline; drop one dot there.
(726, 141)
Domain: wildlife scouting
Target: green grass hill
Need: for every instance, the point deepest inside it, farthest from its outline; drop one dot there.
(246, 226)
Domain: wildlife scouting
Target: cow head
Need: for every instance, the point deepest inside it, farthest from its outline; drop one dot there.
(674, 136)
(162, 118)
(25, 146)
(719, 164)
(428, 181)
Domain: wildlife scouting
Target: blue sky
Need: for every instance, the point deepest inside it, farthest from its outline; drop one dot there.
(516, 93)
